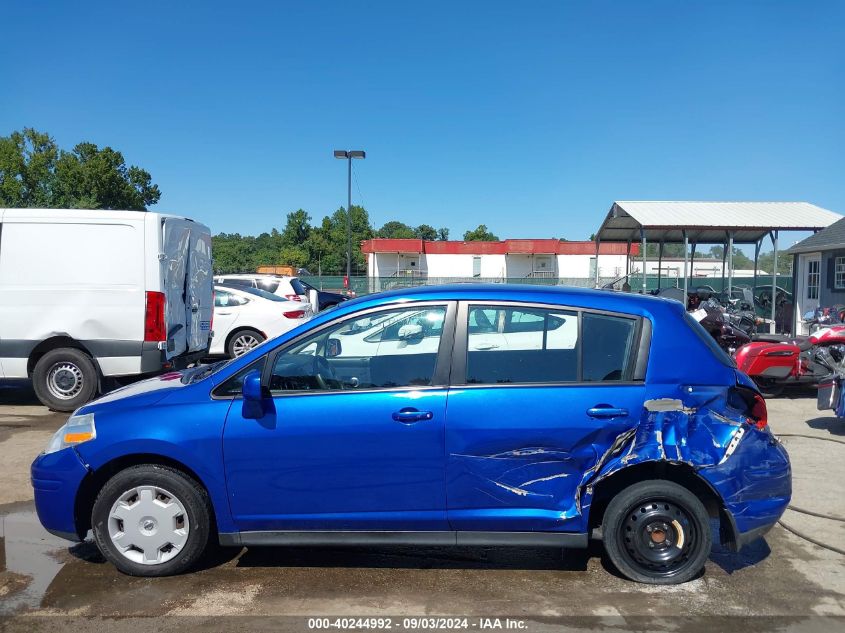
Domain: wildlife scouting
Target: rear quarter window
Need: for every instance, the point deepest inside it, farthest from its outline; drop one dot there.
(708, 340)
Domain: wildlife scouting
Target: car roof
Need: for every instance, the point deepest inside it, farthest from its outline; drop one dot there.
(563, 295)
(253, 276)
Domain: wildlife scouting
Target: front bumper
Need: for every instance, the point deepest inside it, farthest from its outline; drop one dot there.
(56, 479)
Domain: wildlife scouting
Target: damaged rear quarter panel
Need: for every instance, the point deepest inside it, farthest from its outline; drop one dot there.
(745, 466)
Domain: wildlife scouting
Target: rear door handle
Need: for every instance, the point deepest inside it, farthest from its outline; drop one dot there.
(409, 415)
(602, 411)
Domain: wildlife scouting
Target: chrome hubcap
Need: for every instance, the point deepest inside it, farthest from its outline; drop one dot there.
(244, 343)
(148, 525)
(64, 381)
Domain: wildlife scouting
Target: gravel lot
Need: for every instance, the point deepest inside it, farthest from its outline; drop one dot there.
(782, 582)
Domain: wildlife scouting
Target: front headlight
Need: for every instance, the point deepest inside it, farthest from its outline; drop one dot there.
(78, 429)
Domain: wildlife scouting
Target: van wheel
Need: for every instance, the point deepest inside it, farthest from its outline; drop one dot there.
(64, 379)
(151, 520)
(243, 342)
(657, 532)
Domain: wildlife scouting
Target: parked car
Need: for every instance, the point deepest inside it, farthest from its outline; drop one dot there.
(639, 431)
(291, 288)
(88, 296)
(325, 299)
(287, 287)
(245, 318)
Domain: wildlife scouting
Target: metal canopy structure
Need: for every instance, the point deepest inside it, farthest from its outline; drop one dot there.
(726, 223)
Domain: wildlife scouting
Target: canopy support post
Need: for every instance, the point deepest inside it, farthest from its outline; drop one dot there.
(756, 258)
(730, 264)
(645, 258)
(686, 276)
(774, 327)
(659, 264)
(598, 242)
(724, 258)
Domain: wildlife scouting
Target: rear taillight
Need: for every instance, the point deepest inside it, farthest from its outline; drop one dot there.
(293, 297)
(759, 413)
(155, 328)
(295, 314)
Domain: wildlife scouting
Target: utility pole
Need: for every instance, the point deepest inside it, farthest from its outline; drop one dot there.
(348, 155)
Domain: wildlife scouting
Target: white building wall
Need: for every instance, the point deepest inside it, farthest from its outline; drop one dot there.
(492, 266)
(441, 265)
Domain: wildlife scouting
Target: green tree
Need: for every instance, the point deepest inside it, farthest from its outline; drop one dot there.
(426, 232)
(480, 234)
(27, 169)
(766, 260)
(297, 229)
(34, 172)
(396, 230)
(443, 234)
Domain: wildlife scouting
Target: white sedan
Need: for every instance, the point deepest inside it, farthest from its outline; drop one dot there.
(246, 317)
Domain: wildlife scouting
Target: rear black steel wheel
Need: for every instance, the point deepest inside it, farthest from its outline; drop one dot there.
(657, 532)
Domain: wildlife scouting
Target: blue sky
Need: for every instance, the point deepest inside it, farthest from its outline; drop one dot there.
(530, 117)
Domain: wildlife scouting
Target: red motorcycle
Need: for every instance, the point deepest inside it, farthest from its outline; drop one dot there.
(775, 362)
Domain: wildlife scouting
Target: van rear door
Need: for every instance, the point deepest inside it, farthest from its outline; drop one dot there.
(187, 285)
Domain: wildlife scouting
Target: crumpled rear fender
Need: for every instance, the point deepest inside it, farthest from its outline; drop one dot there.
(746, 467)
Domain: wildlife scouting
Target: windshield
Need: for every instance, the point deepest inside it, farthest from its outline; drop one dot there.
(298, 287)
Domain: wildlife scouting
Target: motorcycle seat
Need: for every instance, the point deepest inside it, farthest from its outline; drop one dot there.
(801, 342)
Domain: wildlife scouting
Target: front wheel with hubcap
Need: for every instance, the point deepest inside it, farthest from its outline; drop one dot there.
(151, 520)
(657, 532)
(64, 379)
(243, 342)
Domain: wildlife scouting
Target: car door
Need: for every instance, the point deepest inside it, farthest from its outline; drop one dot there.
(528, 420)
(348, 442)
(227, 310)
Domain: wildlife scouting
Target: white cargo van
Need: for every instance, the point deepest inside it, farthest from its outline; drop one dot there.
(90, 294)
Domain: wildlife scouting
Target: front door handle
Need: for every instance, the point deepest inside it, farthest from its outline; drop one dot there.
(409, 415)
(604, 411)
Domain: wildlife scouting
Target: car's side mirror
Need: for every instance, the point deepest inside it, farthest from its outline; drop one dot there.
(253, 393)
(334, 348)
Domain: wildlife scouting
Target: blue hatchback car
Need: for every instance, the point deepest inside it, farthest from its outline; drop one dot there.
(452, 415)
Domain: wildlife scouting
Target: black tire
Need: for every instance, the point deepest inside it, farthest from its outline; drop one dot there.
(651, 510)
(768, 388)
(232, 344)
(187, 492)
(64, 379)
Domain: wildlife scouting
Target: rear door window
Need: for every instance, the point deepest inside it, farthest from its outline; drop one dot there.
(534, 345)
(525, 345)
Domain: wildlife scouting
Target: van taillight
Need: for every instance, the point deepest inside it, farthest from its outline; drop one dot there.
(294, 314)
(155, 328)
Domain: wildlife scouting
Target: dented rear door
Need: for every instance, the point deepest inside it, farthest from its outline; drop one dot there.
(523, 427)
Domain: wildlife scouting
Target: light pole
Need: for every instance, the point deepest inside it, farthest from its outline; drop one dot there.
(348, 155)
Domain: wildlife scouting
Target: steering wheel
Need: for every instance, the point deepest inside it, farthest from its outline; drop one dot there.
(322, 371)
